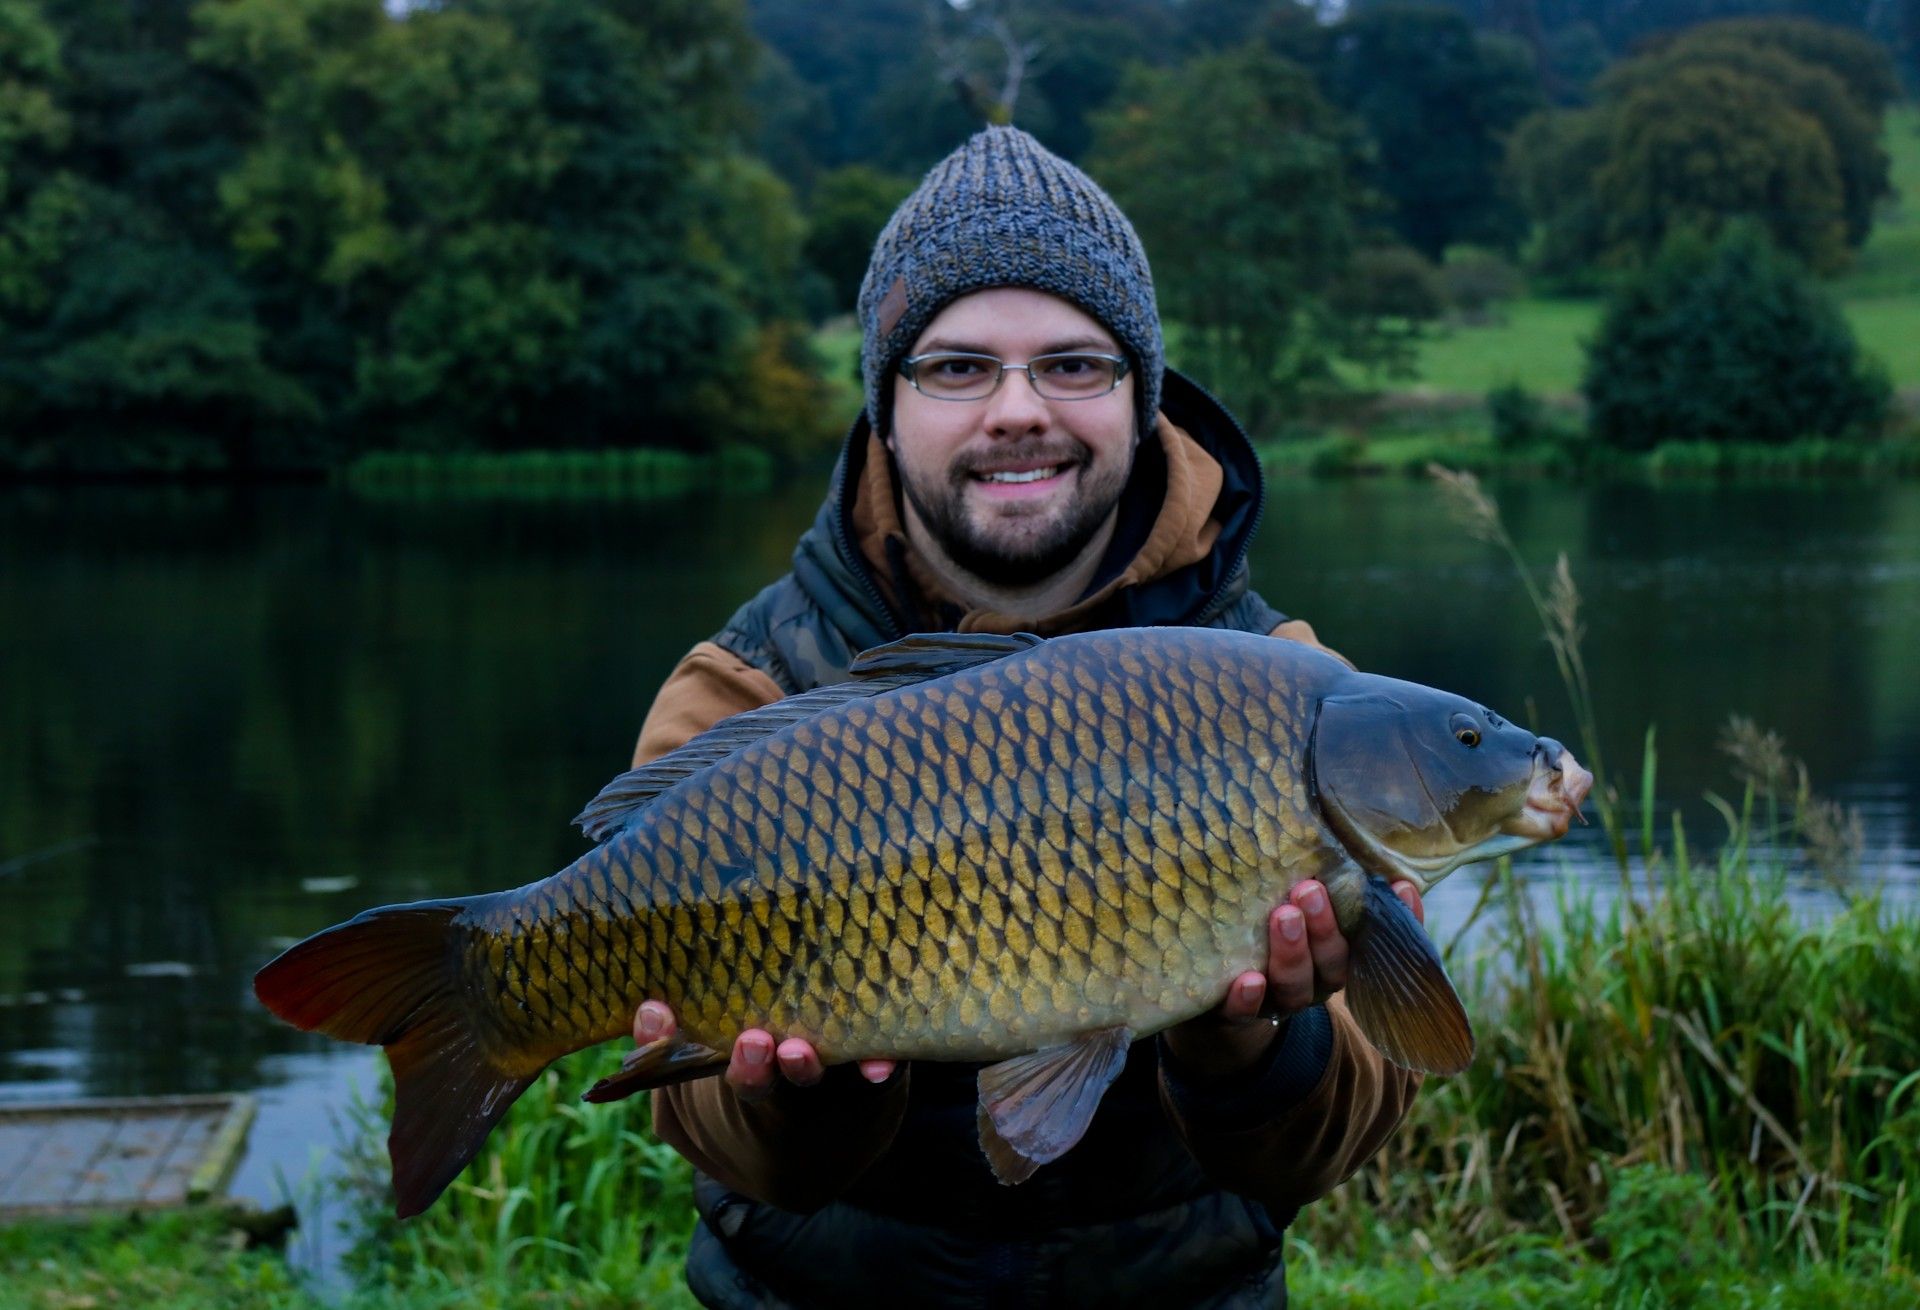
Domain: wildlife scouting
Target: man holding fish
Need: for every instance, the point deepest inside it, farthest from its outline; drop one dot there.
(1095, 490)
(970, 966)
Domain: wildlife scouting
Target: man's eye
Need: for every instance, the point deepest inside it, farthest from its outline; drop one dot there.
(1070, 366)
(957, 368)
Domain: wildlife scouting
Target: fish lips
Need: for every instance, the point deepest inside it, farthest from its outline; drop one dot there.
(1554, 795)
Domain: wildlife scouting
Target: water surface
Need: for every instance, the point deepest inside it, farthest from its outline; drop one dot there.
(231, 717)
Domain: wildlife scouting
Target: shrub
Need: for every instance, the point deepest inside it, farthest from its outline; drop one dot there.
(1476, 282)
(1728, 341)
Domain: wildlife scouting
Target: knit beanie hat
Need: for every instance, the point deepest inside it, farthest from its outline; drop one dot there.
(1004, 211)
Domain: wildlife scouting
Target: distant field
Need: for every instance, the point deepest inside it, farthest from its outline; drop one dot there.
(1539, 345)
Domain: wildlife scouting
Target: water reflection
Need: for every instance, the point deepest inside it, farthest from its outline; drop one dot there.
(232, 718)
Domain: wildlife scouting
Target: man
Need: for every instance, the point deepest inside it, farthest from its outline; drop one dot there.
(1024, 463)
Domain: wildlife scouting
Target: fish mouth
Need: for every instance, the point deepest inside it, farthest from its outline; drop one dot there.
(1554, 793)
(1553, 799)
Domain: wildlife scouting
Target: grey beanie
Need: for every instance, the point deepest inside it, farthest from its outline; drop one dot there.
(1004, 211)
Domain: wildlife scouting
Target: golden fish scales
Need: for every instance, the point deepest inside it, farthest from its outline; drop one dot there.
(962, 870)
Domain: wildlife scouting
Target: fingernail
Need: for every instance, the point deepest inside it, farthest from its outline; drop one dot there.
(1314, 901)
(1291, 925)
(1250, 992)
(652, 1023)
(756, 1054)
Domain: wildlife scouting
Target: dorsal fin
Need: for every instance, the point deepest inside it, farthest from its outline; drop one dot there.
(936, 654)
(912, 659)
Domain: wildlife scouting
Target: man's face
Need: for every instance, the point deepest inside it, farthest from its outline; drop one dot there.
(955, 456)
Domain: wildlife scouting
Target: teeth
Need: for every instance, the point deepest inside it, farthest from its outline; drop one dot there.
(1031, 475)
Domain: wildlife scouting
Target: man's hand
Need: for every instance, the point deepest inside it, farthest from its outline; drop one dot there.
(751, 1070)
(1306, 963)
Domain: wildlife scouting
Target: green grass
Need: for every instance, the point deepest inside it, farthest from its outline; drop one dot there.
(1540, 344)
(184, 1261)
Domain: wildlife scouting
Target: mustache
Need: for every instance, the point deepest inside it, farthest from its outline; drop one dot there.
(971, 463)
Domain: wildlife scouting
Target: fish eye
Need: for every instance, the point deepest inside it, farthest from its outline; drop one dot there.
(1464, 732)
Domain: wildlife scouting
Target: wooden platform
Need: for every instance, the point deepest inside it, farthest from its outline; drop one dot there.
(144, 1153)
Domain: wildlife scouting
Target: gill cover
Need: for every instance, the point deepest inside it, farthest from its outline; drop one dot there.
(1415, 781)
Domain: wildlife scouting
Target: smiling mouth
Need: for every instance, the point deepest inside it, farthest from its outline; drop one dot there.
(1014, 477)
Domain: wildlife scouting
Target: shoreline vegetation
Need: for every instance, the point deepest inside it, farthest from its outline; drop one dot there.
(1686, 1094)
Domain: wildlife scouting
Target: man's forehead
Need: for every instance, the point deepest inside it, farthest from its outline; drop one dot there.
(1013, 318)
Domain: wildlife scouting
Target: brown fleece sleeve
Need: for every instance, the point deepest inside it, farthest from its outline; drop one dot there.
(1301, 631)
(709, 683)
(1306, 1149)
(802, 1146)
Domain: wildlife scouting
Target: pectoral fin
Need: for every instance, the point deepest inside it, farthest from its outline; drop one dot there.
(1034, 1107)
(657, 1064)
(1398, 990)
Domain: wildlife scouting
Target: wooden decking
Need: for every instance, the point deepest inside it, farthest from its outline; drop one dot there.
(70, 1157)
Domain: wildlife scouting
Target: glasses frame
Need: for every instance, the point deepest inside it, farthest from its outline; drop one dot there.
(910, 365)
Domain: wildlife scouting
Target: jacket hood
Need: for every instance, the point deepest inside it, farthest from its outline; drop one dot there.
(1159, 569)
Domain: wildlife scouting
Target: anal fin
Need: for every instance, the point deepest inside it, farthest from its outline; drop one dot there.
(1034, 1107)
(659, 1063)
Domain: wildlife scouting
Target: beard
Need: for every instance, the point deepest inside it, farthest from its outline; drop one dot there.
(1017, 550)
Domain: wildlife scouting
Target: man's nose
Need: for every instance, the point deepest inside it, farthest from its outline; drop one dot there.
(1015, 407)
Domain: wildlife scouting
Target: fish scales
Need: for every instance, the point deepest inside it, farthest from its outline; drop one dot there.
(992, 862)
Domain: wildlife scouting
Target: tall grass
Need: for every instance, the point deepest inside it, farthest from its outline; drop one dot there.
(567, 1205)
(1692, 1027)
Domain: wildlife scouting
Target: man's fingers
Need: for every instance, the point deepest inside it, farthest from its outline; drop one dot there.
(1325, 942)
(800, 1062)
(1409, 893)
(1244, 997)
(750, 1070)
(651, 1022)
(876, 1071)
(1289, 962)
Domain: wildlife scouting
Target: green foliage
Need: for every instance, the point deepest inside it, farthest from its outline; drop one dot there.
(1477, 283)
(849, 207)
(1438, 100)
(1850, 123)
(1709, 144)
(1727, 341)
(178, 1261)
(1250, 249)
(570, 1203)
(1517, 417)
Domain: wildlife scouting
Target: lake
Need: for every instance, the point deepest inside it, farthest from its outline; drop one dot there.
(234, 716)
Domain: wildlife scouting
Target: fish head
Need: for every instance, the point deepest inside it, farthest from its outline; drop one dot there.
(1417, 782)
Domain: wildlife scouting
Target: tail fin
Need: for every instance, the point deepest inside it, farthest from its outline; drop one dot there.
(386, 978)
(1398, 991)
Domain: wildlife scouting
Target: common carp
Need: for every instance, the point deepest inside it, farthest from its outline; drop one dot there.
(978, 848)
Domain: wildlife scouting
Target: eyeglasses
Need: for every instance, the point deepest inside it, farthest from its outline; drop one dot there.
(1073, 375)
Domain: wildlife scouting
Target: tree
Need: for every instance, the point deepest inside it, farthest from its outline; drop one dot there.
(130, 340)
(1707, 145)
(1847, 115)
(1727, 341)
(1439, 100)
(850, 206)
(511, 221)
(1245, 186)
